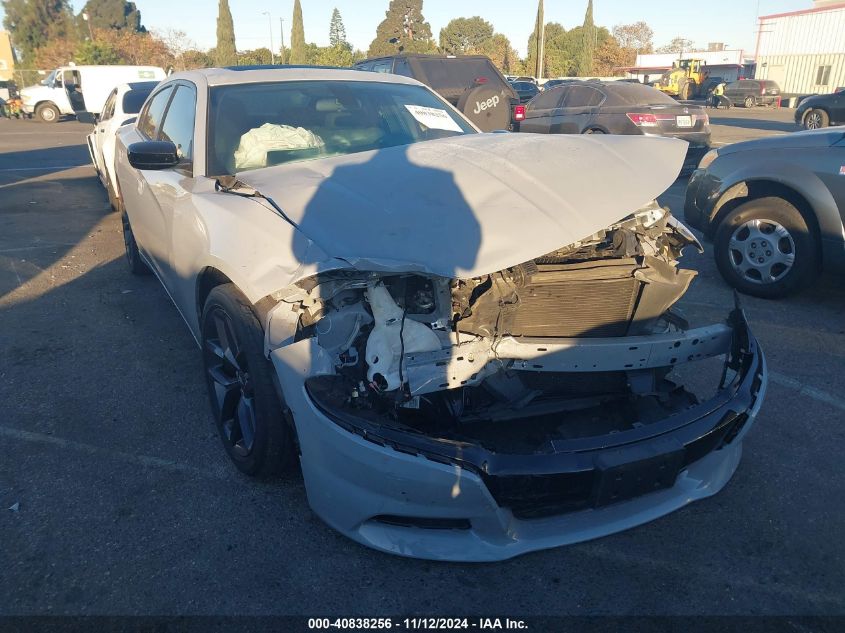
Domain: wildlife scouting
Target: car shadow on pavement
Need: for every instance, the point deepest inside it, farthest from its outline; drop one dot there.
(754, 124)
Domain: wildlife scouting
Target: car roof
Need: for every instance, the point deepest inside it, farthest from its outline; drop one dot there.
(265, 74)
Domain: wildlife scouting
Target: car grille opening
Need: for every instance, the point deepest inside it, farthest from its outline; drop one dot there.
(426, 523)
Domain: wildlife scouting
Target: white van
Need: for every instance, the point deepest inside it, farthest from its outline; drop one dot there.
(72, 89)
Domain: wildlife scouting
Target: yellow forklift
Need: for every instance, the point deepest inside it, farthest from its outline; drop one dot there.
(684, 80)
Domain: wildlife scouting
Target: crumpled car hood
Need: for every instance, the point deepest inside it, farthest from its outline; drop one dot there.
(470, 205)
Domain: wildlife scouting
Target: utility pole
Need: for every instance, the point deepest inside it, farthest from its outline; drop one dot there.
(282, 32)
(541, 50)
(270, 22)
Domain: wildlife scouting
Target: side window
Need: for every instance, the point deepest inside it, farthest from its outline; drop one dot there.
(582, 97)
(368, 66)
(178, 126)
(548, 99)
(150, 119)
(402, 67)
(382, 66)
(108, 108)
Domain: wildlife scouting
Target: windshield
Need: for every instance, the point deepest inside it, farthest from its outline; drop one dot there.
(258, 125)
(50, 79)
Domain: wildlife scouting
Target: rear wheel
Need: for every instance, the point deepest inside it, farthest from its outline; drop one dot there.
(816, 119)
(764, 248)
(47, 113)
(749, 102)
(246, 408)
(593, 130)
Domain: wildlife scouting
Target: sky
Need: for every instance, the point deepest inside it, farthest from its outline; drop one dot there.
(733, 22)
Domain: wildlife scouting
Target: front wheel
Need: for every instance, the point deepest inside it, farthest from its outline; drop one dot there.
(816, 119)
(249, 416)
(764, 248)
(749, 102)
(47, 113)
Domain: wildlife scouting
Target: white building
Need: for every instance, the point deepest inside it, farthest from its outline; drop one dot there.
(803, 51)
(730, 65)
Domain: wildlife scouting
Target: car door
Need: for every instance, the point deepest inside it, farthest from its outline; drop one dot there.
(101, 129)
(837, 108)
(172, 191)
(579, 108)
(138, 192)
(540, 112)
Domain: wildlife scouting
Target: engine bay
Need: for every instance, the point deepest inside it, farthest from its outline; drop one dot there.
(577, 343)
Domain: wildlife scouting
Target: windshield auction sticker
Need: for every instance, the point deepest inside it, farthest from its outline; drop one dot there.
(434, 118)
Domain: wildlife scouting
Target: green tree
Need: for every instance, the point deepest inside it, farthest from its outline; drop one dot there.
(256, 57)
(226, 54)
(34, 23)
(94, 52)
(339, 55)
(403, 29)
(500, 51)
(557, 58)
(109, 14)
(298, 52)
(465, 35)
(589, 43)
(337, 32)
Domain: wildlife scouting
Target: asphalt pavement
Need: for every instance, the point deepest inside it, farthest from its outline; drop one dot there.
(116, 496)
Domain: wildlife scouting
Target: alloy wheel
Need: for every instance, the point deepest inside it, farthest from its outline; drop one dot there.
(761, 251)
(813, 121)
(232, 387)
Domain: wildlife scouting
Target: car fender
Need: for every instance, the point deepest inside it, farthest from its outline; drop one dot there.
(790, 174)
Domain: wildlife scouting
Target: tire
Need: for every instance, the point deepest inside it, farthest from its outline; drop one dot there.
(593, 130)
(47, 113)
(749, 102)
(133, 256)
(249, 416)
(815, 119)
(492, 117)
(764, 248)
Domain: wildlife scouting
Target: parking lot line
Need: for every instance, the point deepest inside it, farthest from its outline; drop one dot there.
(131, 458)
(807, 390)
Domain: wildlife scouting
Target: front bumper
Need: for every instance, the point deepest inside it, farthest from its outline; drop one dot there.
(417, 496)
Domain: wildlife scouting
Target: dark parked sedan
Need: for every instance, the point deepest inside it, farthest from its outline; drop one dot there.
(752, 92)
(526, 90)
(774, 209)
(618, 108)
(821, 110)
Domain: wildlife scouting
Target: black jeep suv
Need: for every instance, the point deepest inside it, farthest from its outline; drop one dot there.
(471, 83)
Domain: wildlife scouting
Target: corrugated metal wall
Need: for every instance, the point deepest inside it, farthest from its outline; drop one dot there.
(796, 74)
(793, 47)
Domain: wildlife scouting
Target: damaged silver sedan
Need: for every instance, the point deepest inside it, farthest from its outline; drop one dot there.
(467, 340)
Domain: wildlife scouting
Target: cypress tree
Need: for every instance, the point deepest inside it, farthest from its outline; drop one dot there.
(337, 31)
(298, 54)
(403, 30)
(585, 55)
(225, 54)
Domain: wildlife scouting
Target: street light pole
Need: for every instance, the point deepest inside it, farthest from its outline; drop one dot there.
(282, 32)
(270, 23)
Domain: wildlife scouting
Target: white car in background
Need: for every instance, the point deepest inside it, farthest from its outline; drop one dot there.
(121, 107)
(466, 340)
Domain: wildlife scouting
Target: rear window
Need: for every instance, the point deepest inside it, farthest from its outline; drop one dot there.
(134, 99)
(257, 125)
(455, 74)
(523, 85)
(625, 93)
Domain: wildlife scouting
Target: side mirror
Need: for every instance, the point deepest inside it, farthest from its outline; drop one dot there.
(87, 117)
(153, 155)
